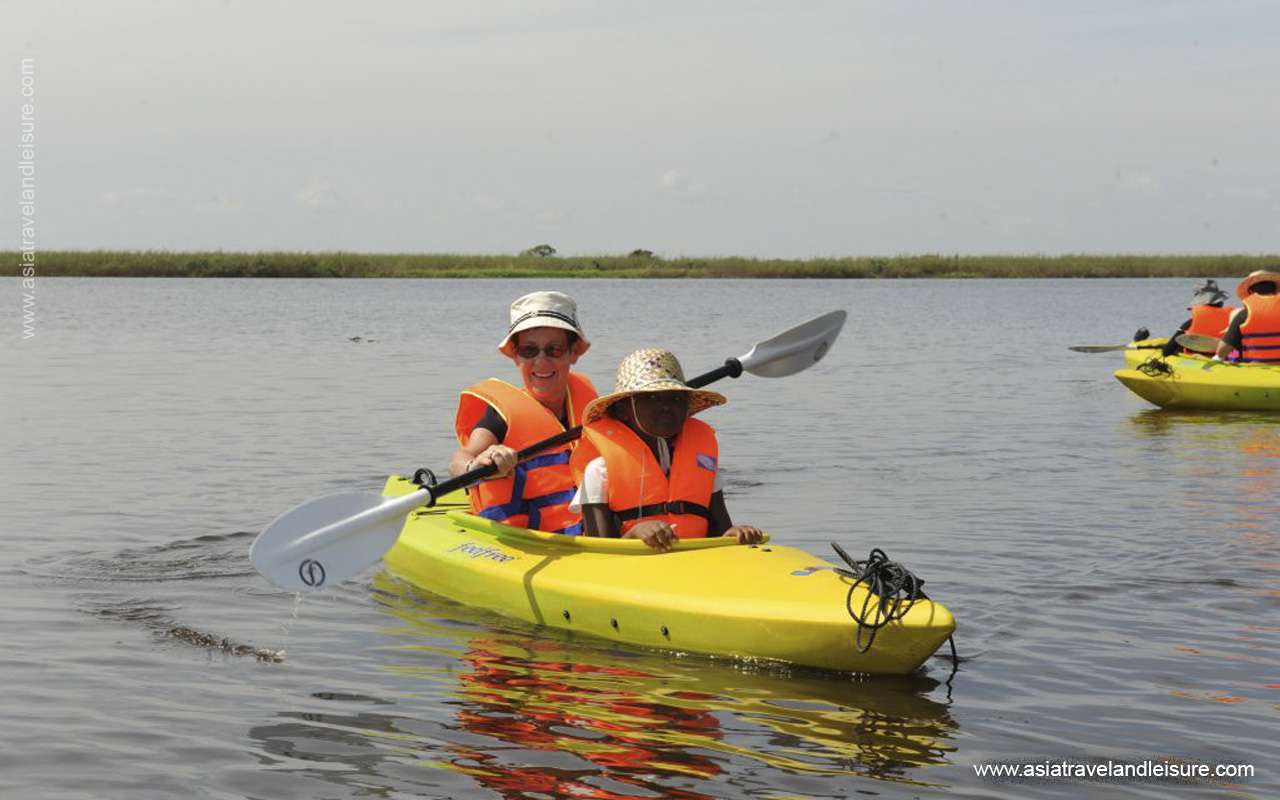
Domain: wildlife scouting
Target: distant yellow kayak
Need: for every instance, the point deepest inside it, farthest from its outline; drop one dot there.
(709, 596)
(1198, 382)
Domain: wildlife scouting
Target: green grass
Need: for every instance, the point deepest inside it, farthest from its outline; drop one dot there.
(157, 264)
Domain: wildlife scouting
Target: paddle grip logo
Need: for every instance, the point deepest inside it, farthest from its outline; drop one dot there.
(311, 572)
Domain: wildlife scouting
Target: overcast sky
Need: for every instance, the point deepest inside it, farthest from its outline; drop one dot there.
(787, 129)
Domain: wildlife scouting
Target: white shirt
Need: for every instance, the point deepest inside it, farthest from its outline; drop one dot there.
(595, 479)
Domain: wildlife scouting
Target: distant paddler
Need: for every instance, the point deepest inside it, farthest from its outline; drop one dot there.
(496, 419)
(1209, 316)
(1255, 329)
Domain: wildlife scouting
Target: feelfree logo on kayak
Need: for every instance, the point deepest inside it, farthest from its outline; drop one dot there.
(476, 551)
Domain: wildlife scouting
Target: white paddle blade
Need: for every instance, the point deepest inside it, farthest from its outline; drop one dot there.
(327, 540)
(796, 349)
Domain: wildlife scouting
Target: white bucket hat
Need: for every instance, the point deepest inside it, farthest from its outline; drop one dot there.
(543, 310)
(645, 371)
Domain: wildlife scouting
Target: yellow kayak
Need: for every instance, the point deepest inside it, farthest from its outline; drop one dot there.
(711, 596)
(1198, 382)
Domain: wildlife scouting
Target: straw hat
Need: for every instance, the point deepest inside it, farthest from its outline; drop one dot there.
(543, 310)
(648, 371)
(1258, 276)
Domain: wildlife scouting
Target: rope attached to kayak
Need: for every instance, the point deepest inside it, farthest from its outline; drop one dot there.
(892, 590)
(1154, 367)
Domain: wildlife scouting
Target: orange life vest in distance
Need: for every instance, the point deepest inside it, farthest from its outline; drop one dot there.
(683, 498)
(537, 493)
(1260, 333)
(1209, 320)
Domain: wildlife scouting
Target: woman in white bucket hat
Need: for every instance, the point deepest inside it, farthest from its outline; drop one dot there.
(496, 419)
(646, 469)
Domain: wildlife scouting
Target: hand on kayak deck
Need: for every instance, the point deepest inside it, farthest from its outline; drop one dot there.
(745, 534)
(501, 456)
(655, 533)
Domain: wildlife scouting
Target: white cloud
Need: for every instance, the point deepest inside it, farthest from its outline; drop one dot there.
(672, 178)
(677, 180)
(315, 193)
(124, 198)
(1140, 180)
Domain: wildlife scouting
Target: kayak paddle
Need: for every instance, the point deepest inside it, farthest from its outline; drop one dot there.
(1111, 348)
(332, 538)
(1198, 343)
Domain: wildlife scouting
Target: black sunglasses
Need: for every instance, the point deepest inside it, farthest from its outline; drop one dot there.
(530, 351)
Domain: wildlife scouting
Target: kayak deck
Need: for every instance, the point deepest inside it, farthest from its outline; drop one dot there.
(1198, 382)
(709, 596)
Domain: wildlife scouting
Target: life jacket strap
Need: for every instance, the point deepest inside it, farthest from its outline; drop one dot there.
(528, 505)
(1251, 352)
(536, 504)
(673, 508)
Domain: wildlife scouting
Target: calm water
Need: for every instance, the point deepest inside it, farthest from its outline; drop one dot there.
(1115, 569)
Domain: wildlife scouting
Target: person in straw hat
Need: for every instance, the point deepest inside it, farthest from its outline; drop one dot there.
(645, 468)
(496, 419)
(1255, 329)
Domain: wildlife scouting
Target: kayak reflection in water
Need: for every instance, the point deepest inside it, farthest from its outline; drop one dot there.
(579, 709)
(645, 468)
(496, 419)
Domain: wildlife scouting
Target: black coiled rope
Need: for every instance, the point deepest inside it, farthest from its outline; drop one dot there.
(891, 592)
(1154, 367)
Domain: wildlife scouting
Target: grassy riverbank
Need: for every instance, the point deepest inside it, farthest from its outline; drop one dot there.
(103, 263)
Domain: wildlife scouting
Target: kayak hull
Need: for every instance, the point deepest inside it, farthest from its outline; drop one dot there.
(1198, 382)
(709, 596)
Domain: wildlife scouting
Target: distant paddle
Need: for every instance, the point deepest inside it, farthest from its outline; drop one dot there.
(1111, 348)
(332, 538)
(1197, 343)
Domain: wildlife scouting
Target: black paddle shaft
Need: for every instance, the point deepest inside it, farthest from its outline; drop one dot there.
(732, 368)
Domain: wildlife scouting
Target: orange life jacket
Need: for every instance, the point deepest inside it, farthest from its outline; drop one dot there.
(1260, 333)
(683, 499)
(537, 493)
(1209, 320)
